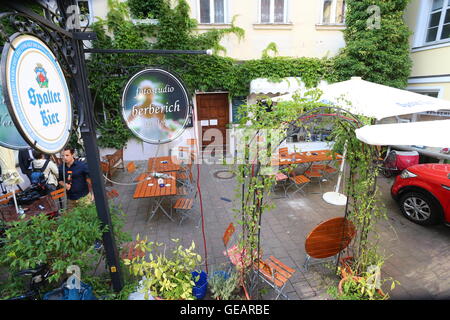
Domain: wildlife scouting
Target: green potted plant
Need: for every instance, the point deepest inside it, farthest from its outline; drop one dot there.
(365, 286)
(164, 277)
(223, 285)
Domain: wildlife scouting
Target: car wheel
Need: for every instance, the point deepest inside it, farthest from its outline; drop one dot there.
(420, 208)
(386, 172)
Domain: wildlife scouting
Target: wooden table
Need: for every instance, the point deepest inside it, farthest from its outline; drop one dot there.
(149, 188)
(163, 164)
(43, 205)
(328, 239)
(305, 157)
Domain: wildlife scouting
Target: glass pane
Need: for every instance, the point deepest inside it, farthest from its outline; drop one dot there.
(434, 20)
(279, 11)
(447, 16)
(265, 11)
(437, 4)
(204, 11)
(84, 13)
(219, 11)
(431, 34)
(326, 11)
(445, 32)
(340, 11)
(430, 94)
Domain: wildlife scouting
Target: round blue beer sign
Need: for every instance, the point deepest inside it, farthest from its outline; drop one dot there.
(155, 106)
(9, 136)
(36, 93)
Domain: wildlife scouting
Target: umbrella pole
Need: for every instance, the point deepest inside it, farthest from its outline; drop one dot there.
(341, 169)
(15, 200)
(334, 197)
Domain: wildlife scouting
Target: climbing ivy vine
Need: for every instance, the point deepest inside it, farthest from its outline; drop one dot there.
(377, 43)
(108, 73)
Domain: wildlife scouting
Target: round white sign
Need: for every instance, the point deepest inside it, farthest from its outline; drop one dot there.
(155, 106)
(36, 93)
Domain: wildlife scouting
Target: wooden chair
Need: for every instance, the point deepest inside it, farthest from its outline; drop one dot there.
(275, 273)
(327, 170)
(4, 199)
(298, 180)
(281, 180)
(315, 174)
(237, 257)
(327, 239)
(112, 162)
(131, 167)
(185, 205)
(230, 245)
(283, 152)
(185, 175)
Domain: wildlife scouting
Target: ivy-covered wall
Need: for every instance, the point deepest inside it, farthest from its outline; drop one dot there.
(108, 73)
(377, 46)
(379, 55)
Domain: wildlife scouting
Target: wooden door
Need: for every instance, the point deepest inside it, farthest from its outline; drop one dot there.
(213, 112)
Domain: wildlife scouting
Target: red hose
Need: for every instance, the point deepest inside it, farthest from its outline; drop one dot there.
(200, 193)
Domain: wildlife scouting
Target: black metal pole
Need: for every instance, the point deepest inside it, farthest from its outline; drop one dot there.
(88, 135)
(148, 51)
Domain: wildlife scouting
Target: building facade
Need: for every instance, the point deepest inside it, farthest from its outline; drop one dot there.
(310, 28)
(297, 28)
(429, 21)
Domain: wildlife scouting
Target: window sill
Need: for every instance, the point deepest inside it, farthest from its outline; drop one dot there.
(209, 26)
(272, 26)
(431, 46)
(331, 26)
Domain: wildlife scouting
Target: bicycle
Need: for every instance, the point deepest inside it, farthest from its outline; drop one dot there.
(39, 276)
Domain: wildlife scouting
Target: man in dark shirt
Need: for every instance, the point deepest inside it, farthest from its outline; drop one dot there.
(77, 182)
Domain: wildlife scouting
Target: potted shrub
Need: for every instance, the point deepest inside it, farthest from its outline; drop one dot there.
(164, 277)
(365, 286)
(222, 285)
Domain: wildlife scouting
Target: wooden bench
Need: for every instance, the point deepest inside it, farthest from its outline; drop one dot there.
(112, 162)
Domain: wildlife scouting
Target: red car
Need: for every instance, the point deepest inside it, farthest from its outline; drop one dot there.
(423, 193)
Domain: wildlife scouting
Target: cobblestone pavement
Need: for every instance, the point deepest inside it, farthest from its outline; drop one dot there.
(418, 257)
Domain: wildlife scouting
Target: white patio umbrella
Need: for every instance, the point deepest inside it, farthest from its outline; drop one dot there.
(10, 176)
(375, 100)
(425, 133)
(378, 101)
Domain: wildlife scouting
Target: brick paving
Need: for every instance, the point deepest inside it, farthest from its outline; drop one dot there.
(418, 257)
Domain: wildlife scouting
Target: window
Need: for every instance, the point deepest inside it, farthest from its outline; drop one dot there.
(213, 11)
(273, 11)
(333, 12)
(438, 27)
(86, 12)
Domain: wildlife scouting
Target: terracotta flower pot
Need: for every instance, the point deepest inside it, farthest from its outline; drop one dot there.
(346, 269)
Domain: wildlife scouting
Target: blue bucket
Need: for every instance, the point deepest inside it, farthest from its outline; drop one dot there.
(199, 290)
